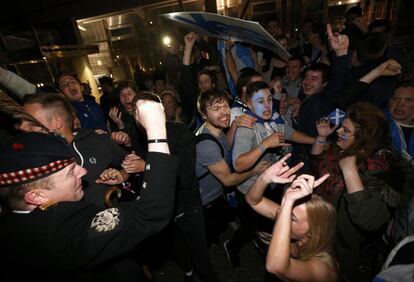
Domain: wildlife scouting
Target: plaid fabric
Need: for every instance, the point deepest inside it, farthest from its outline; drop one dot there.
(23, 176)
(332, 188)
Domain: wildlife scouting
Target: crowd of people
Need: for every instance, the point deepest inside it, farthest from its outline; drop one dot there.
(310, 158)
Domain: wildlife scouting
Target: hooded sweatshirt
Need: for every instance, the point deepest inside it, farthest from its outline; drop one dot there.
(96, 152)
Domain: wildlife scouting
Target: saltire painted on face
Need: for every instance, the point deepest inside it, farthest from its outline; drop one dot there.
(259, 100)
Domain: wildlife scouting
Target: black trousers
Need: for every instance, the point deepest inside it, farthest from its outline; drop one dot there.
(189, 247)
(216, 216)
(251, 221)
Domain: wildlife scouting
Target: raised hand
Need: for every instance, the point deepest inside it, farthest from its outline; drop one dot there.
(116, 115)
(190, 39)
(324, 128)
(228, 44)
(338, 42)
(150, 115)
(303, 186)
(389, 68)
(280, 172)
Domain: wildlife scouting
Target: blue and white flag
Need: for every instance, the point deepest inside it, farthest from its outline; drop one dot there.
(336, 117)
(242, 57)
(228, 28)
(230, 83)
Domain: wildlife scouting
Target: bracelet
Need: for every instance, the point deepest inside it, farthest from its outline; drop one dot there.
(261, 148)
(320, 141)
(157, 141)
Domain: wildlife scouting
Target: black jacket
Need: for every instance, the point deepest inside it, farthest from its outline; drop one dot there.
(96, 152)
(181, 142)
(78, 241)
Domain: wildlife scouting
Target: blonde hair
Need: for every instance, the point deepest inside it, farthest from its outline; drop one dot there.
(322, 224)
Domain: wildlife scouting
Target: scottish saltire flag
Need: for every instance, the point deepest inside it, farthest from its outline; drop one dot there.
(336, 117)
(228, 28)
(242, 57)
(230, 83)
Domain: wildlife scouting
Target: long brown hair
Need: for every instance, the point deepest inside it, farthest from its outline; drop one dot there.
(371, 131)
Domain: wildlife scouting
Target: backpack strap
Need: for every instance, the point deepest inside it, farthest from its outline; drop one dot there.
(207, 136)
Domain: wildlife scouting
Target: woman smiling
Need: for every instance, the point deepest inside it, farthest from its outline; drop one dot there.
(367, 184)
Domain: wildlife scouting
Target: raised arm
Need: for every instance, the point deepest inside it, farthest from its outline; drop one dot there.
(279, 261)
(324, 130)
(339, 69)
(150, 115)
(230, 63)
(366, 208)
(189, 40)
(352, 92)
(277, 173)
(189, 91)
(129, 223)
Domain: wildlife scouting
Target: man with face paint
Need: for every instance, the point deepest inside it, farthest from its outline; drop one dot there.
(238, 116)
(269, 131)
(255, 144)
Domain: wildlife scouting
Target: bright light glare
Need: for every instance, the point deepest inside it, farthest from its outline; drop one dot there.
(166, 40)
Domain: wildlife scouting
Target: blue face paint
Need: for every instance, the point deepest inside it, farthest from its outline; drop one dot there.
(343, 136)
(259, 101)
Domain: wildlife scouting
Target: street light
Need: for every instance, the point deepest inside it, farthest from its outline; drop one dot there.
(166, 41)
